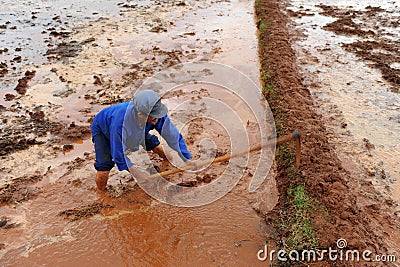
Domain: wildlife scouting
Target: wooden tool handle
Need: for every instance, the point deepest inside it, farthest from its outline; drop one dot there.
(286, 138)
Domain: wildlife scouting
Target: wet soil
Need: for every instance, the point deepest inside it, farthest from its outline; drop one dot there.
(20, 189)
(84, 211)
(383, 59)
(23, 82)
(47, 184)
(359, 103)
(5, 223)
(32, 128)
(377, 46)
(356, 210)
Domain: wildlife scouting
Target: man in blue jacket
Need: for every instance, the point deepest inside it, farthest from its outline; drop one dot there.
(126, 126)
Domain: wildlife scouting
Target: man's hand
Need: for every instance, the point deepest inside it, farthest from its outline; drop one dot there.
(138, 174)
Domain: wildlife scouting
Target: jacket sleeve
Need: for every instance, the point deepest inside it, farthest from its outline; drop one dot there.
(173, 138)
(118, 153)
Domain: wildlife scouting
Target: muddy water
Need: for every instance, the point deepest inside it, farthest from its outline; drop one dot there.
(358, 102)
(131, 229)
(136, 232)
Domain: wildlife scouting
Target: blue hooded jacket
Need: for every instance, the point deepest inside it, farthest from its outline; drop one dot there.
(119, 124)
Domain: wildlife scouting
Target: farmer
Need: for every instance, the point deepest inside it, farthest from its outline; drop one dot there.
(125, 126)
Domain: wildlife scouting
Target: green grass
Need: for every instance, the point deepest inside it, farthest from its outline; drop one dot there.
(270, 88)
(286, 159)
(263, 27)
(266, 75)
(302, 236)
(294, 224)
(303, 233)
(300, 199)
(294, 221)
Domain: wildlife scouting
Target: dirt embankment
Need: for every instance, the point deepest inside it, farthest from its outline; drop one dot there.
(354, 210)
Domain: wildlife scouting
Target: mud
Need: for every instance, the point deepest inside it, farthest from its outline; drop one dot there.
(71, 133)
(47, 186)
(3, 69)
(359, 103)
(65, 50)
(16, 143)
(382, 60)
(86, 58)
(26, 35)
(382, 51)
(6, 224)
(23, 82)
(32, 129)
(348, 26)
(84, 211)
(358, 211)
(19, 189)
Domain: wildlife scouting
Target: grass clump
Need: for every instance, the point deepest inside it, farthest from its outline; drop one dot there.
(263, 27)
(302, 233)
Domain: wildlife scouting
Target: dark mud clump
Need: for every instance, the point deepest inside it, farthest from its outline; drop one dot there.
(67, 147)
(37, 115)
(22, 85)
(188, 183)
(16, 143)
(72, 132)
(6, 224)
(60, 34)
(9, 97)
(84, 211)
(23, 131)
(3, 69)
(200, 179)
(19, 189)
(321, 174)
(347, 26)
(65, 50)
(299, 14)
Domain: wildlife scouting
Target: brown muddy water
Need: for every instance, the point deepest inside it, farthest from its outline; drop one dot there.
(359, 98)
(97, 54)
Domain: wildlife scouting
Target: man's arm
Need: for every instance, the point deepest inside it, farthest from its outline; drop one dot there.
(174, 139)
(118, 151)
